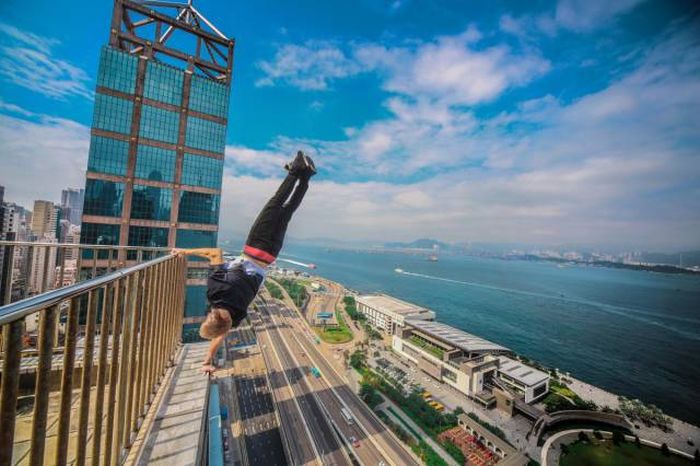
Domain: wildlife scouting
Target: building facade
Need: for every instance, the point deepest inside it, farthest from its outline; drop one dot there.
(72, 204)
(156, 156)
(389, 314)
(45, 220)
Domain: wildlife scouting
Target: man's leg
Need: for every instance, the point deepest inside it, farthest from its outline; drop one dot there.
(261, 233)
(267, 234)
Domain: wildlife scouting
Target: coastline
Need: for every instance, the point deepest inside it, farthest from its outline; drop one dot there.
(681, 431)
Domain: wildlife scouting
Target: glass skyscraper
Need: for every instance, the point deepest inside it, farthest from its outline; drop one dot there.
(158, 134)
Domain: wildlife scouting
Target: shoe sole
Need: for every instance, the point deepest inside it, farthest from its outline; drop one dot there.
(309, 163)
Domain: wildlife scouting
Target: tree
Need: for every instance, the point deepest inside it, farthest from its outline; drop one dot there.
(564, 449)
(583, 437)
(665, 450)
(697, 456)
(597, 434)
(358, 359)
(458, 410)
(637, 442)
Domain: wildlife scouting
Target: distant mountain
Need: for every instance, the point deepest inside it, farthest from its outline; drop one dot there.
(423, 243)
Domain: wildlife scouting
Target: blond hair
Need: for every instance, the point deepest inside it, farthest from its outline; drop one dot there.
(217, 323)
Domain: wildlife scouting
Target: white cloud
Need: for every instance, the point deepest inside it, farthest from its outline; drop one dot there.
(26, 60)
(34, 151)
(452, 68)
(580, 16)
(311, 66)
(586, 15)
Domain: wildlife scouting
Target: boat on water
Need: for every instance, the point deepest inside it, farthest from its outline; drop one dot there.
(398, 270)
(433, 258)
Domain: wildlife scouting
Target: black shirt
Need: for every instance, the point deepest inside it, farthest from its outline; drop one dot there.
(232, 289)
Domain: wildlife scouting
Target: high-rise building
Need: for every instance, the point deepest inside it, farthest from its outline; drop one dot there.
(156, 156)
(72, 204)
(45, 220)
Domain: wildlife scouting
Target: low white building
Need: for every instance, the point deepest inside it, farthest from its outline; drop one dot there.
(388, 313)
(462, 360)
(526, 380)
(470, 364)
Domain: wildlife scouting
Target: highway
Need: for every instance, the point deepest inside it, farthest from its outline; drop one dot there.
(262, 437)
(302, 449)
(377, 444)
(365, 451)
(310, 420)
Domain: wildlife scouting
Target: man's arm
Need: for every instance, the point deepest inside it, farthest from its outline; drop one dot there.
(215, 255)
(208, 365)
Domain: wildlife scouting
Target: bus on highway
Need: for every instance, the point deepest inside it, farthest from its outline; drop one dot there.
(346, 415)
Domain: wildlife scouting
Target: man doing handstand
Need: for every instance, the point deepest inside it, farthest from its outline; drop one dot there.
(232, 285)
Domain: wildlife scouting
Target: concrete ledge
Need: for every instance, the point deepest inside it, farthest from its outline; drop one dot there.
(174, 436)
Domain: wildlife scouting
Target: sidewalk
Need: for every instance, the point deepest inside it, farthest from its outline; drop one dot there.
(433, 444)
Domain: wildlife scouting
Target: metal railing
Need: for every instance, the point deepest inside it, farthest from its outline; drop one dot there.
(29, 268)
(104, 345)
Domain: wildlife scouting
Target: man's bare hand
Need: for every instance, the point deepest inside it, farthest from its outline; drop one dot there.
(177, 252)
(208, 369)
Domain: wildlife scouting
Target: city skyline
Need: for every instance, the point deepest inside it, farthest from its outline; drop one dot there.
(561, 124)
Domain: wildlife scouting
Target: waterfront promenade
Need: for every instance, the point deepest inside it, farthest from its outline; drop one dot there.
(516, 428)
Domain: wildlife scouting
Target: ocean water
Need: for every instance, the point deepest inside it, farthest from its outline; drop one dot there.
(633, 333)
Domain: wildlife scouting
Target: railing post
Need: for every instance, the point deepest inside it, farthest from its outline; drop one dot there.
(146, 346)
(110, 291)
(88, 350)
(12, 335)
(6, 275)
(67, 383)
(41, 391)
(45, 276)
(124, 358)
(118, 304)
(135, 362)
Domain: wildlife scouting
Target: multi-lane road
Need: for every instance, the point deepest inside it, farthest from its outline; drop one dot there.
(310, 436)
(288, 344)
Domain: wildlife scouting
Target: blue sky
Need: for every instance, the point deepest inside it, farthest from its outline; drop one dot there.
(561, 122)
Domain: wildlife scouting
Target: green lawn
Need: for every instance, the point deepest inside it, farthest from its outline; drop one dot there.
(339, 334)
(608, 454)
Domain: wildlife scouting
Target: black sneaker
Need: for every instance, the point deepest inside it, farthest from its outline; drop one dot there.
(297, 165)
(310, 165)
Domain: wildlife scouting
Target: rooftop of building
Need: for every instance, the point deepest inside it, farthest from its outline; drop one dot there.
(455, 337)
(524, 374)
(391, 304)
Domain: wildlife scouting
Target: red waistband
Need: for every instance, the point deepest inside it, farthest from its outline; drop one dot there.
(258, 254)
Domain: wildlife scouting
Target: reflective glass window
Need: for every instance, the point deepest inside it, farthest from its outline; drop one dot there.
(198, 208)
(117, 70)
(208, 96)
(103, 198)
(195, 239)
(98, 233)
(151, 203)
(159, 124)
(199, 170)
(112, 113)
(155, 163)
(163, 83)
(205, 135)
(148, 236)
(108, 155)
(195, 301)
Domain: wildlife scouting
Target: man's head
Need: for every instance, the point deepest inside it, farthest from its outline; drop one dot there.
(216, 324)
